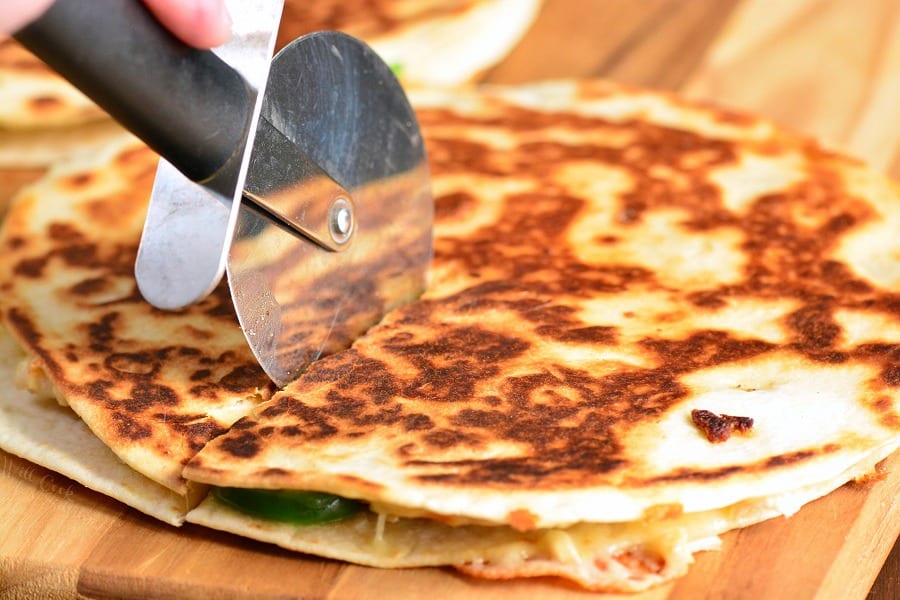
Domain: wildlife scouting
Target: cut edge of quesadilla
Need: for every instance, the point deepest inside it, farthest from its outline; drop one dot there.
(35, 427)
(624, 556)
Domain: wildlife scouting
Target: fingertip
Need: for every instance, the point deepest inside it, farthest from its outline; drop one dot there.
(214, 24)
(201, 23)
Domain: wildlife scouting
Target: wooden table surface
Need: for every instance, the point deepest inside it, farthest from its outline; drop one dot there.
(829, 68)
(826, 68)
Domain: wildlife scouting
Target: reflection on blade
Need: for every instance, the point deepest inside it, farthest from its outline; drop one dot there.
(310, 302)
(343, 115)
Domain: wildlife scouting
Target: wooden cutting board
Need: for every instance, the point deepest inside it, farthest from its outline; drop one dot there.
(60, 540)
(830, 68)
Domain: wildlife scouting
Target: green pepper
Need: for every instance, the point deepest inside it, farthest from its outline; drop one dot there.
(302, 508)
(397, 69)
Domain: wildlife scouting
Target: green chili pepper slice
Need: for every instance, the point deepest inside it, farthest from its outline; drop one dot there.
(288, 506)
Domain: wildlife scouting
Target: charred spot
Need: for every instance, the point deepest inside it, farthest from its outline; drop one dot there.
(78, 181)
(291, 431)
(580, 335)
(199, 433)
(718, 428)
(276, 408)
(244, 423)
(446, 438)
(127, 427)
(710, 299)
(791, 458)
(45, 103)
(468, 344)
(450, 205)
(814, 326)
(314, 422)
(81, 255)
(493, 400)
(102, 332)
(244, 378)
(89, 287)
(891, 375)
(150, 395)
(706, 349)
(200, 374)
(243, 445)
(266, 431)
(447, 384)
(64, 232)
(447, 155)
(840, 223)
(31, 267)
(479, 418)
(417, 422)
(16, 242)
(843, 279)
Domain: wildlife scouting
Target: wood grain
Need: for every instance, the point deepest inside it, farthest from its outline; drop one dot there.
(66, 541)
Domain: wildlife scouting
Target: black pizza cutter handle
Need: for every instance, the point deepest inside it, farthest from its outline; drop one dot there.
(186, 104)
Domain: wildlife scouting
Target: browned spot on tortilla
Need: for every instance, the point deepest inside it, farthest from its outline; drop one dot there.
(781, 460)
(129, 428)
(718, 428)
(89, 287)
(31, 267)
(244, 445)
(75, 183)
(450, 206)
(43, 104)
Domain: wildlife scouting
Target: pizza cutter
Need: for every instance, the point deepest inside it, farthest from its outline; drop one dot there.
(302, 177)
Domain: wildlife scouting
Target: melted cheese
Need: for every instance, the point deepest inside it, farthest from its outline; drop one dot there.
(31, 376)
(627, 556)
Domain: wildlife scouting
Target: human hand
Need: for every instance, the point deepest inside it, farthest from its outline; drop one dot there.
(200, 23)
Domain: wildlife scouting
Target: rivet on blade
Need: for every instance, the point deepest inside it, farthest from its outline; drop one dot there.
(341, 221)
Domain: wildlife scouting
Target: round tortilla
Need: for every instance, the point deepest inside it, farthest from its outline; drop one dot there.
(607, 261)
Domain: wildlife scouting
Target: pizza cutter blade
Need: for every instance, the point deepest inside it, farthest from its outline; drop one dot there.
(304, 178)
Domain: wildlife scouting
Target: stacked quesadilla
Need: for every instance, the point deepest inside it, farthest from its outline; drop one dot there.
(611, 265)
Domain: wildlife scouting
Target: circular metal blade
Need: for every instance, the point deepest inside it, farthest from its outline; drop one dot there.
(339, 103)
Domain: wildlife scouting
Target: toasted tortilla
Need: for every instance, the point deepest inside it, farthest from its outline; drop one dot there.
(607, 261)
(33, 97)
(34, 426)
(154, 387)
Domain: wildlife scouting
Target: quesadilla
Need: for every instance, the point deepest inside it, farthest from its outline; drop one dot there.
(34, 97)
(154, 387)
(608, 263)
